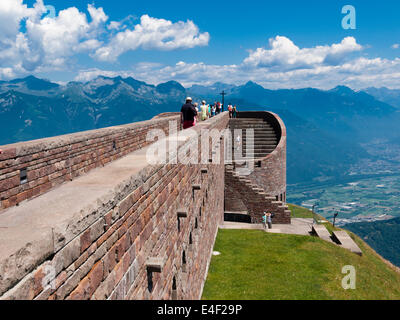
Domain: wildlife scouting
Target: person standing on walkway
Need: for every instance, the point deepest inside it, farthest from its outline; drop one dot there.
(218, 107)
(269, 220)
(234, 112)
(213, 110)
(230, 109)
(203, 111)
(264, 218)
(188, 114)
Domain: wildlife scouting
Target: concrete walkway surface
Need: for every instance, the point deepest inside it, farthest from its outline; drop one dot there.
(298, 226)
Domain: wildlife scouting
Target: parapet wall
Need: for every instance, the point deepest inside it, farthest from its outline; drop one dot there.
(29, 169)
(128, 230)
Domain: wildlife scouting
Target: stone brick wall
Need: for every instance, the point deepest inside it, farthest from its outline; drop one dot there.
(128, 244)
(53, 161)
(146, 231)
(268, 179)
(270, 173)
(241, 191)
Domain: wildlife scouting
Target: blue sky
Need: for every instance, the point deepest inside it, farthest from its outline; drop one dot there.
(279, 44)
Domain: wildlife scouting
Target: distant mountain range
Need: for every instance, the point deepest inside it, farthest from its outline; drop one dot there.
(390, 96)
(325, 128)
(32, 108)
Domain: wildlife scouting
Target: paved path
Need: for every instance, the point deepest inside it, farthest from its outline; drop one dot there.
(298, 226)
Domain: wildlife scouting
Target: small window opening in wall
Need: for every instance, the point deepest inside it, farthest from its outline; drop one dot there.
(199, 212)
(277, 198)
(196, 224)
(259, 164)
(114, 145)
(150, 281)
(207, 194)
(179, 224)
(174, 290)
(281, 197)
(190, 239)
(184, 261)
(23, 176)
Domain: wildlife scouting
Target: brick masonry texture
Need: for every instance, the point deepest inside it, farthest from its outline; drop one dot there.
(265, 188)
(113, 248)
(53, 161)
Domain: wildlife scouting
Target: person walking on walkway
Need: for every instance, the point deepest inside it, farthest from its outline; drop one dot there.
(188, 114)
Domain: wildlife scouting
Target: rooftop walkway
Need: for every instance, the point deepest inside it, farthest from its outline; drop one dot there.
(40, 227)
(299, 226)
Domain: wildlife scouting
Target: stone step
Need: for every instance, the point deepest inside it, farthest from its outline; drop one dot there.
(260, 142)
(257, 148)
(254, 127)
(321, 231)
(343, 238)
(240, 120)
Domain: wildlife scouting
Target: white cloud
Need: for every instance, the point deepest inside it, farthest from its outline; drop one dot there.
(153, 33)
(284, 54)
(395, 46)
(358, 73)
(47, 44)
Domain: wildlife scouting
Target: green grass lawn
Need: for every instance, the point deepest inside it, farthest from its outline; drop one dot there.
(300, 212)
(255, 265)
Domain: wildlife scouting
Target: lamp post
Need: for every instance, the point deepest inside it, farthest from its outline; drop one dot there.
(313, 212)
(334, 218)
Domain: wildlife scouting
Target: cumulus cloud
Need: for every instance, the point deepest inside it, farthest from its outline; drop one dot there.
(284, 54)
(358, 73)
(153, 33)
(31, 42)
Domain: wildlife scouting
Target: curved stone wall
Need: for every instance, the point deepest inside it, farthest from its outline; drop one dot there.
(270, 172)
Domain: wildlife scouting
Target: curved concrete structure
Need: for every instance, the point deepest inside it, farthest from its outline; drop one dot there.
(265, 188)
(270, 171)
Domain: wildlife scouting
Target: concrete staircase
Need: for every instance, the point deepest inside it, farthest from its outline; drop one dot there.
(256, 200)
(264, 139)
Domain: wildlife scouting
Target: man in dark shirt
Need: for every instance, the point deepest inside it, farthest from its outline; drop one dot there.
(188, 114)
